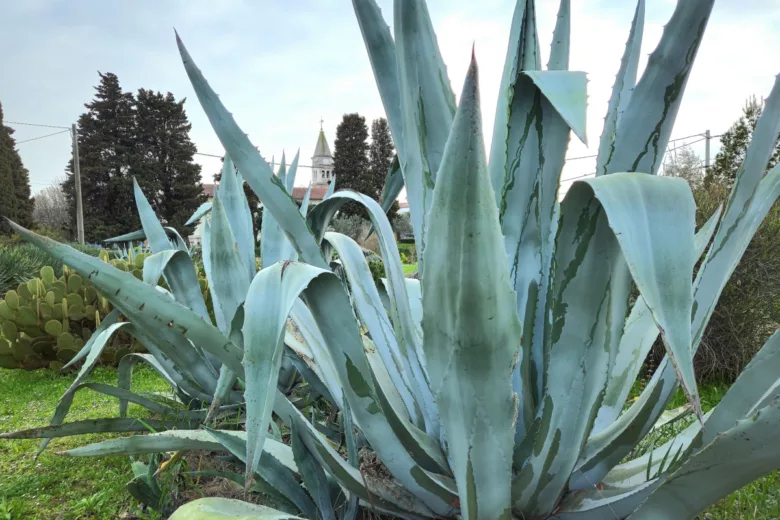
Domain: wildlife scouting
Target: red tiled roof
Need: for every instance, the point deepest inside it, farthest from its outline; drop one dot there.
(208, 190)
(317, 192)
(403, 204)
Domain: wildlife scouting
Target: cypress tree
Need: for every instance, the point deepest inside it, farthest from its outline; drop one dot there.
(15, 200)
(164, 165)
(106, 147)
(380, 157)
(350, 161)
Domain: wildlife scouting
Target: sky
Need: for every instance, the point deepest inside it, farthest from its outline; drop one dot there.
(281, 66)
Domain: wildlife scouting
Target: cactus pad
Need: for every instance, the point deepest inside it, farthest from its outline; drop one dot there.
(12, 300)
(53, 328)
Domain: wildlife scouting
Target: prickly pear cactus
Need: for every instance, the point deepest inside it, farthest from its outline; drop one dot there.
(46, 321)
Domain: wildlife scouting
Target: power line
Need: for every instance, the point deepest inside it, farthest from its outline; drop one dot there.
(35, 124)
(41, 137)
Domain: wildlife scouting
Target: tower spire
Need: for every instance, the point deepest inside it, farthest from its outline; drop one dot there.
(321, 121)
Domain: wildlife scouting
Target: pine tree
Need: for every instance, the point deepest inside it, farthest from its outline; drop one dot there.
(734, 143)
(15, 200)
(350, 161)
(106, 147)
(380, 157)
(164, 165)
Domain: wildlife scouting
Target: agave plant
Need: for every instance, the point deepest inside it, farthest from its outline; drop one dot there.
(496, 386)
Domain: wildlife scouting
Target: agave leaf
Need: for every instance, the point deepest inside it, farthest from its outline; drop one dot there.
(394, 183)
(110, 319)
(647, 121)
(313, 477)
(331, 188)
(639, 334)
(660, 227)
(65, 402)
(331, 309)
(394, 499)
(273, 471)
(274, 246)
(622, 89)
(228, 275)
(610, 446)
(546, 105)
(598, 504)
(406, 328)
(559, 48)
(149, 310)
(373, 315)
(269, 301)
(467, 347)
(112, 425)
(381, 53)
(179, 271)
(236, 207)
(740, 455)
(427, 107)
(587, 302)
(291, 173)
(751, 385)
(253, 167)
(203, 210)
(215, 508)
(305, 201)
(522, 55)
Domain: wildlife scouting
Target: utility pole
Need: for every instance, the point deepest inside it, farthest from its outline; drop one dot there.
(706, 151)
(77, 179)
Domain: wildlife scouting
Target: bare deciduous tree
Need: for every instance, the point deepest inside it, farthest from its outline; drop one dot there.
(51, 208)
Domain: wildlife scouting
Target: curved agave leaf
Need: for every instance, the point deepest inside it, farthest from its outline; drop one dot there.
(467, 347)
(253, 167)
(639, 334)
(269, 301)
(394, 184)
(545, 106)
(598, 504)
(372, 314)
(427, 107)
(609, 447)
(740, 455)
(113, 425)
(305, 201)
(215, 508)
(203, 210)
(110, 319)
(406, 328)
(236, 207)
(331, 309)
(647, 217)
(272, 471)
(180, 272)
(393, 499)
(622, 89)
(65, 402)
(314, 477)
(647, 121)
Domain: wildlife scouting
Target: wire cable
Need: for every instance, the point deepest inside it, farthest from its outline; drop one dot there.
(35, 124)
(42, 137)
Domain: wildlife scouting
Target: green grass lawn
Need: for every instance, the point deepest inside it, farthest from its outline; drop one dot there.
(409, 268)
(63, 488)
(57, 487)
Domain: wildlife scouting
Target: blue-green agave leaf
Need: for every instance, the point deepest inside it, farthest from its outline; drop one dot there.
(622, 89)
(228, 275)
(271, 470)
(639, 334)
(559, 48)
(647, 121)
(269, 301)
(734, 458)
(203, 210)
(110, 319)
(236, 207)
(216, 508)
(427, 107)
(468, 347)
(252, 166)
(305, 201)
(109, 425)
(314, 477)
(522, 55)
(602, 503)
